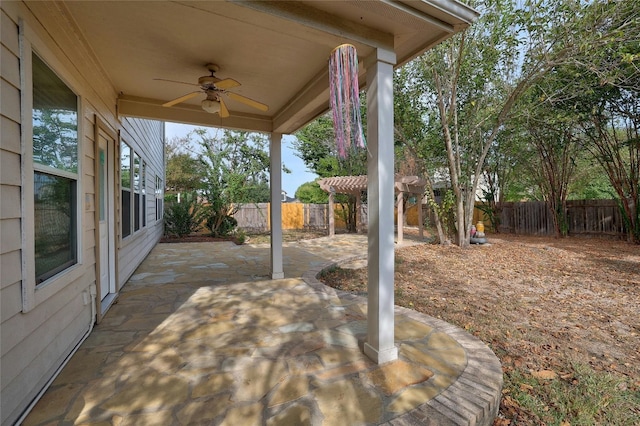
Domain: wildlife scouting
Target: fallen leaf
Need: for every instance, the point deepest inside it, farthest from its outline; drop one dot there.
(544, 374)
(525, 387)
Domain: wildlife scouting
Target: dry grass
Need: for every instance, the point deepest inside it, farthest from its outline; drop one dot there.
(562, 316)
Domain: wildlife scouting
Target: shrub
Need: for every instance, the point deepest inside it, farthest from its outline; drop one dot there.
(220, 226)
(184, 217)
(240, 236)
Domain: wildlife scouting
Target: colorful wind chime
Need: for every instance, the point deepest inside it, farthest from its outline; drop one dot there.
(345, 98)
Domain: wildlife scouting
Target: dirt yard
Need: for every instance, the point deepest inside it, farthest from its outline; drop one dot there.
(562, 315)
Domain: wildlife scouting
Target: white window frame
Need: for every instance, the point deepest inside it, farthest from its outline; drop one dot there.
(130, 188)
(143, 194)
(159, 198)
(136, 178)
(33, 294)
(138, 188)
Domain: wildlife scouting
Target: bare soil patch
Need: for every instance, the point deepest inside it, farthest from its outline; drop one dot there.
(559, 313)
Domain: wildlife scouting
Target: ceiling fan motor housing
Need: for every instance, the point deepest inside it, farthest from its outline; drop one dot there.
(208, 80)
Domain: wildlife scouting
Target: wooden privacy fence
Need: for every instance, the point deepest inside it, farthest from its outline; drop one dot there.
(255, 217)
(585, 217)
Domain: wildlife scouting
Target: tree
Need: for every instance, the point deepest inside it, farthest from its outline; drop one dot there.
(608, 104)
(311, 193)
(474, 79)
(417, 143)
(183, 173)
(598, 87)
(235, 168)
(590, 182)
(470, 81)
(315, 145)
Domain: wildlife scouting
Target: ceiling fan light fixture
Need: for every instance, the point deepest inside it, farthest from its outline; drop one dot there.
(210, 105)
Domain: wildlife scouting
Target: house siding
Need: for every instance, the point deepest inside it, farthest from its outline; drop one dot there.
(140, 135)
(35, 342)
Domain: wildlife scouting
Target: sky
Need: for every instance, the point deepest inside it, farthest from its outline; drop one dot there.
(290, 181)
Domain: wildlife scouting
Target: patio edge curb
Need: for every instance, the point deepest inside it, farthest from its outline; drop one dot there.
(481, 378)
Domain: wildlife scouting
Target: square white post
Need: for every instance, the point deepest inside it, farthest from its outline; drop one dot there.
(400, 214)
(332, 213)
(275, 181)
(358, 213)
(420, 218)
(380, 345)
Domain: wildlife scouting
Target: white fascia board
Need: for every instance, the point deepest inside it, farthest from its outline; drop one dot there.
(133, 106)
(322, 21)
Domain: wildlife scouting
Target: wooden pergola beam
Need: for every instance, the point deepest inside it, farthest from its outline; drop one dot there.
(356, 185)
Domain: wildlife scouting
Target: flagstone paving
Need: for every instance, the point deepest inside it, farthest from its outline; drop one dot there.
(201, 335)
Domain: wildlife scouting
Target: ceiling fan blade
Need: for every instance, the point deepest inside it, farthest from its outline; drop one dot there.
(224, 112)
(227, 83)
(175, 81)
(181, 99)
(247, 101)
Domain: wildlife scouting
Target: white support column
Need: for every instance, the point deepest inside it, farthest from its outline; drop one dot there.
(380, 345)
(420, 218)
(331, 213)
(358, 213)
(275, 180)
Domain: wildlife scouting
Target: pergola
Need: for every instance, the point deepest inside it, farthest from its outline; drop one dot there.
(356, 185)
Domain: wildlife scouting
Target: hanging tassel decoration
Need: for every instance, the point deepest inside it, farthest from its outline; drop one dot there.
(345, 98)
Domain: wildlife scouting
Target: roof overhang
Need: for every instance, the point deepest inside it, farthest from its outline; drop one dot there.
(278, 51)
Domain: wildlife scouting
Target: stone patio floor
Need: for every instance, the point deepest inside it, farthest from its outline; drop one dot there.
(201, 335)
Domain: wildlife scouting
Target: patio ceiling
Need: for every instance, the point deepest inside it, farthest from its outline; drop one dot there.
(278, 51)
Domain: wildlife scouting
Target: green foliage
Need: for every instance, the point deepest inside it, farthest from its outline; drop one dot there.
(258, 192)
(239, 236)
(455, 104)
(587, 397)
(446, 212)
(590, 182)
(183, 173)
(184, 217)
(220, 226)
(311, 193)
(235, 172)
(315, 145)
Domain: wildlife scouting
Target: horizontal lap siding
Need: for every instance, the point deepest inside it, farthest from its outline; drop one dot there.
(10, 213)
(10, 238)
(34, 344)
(143, 137)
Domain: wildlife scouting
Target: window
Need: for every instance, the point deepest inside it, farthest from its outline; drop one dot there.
(125, 186)
(133, 183)
(136, 191)
(159, 198)
(55, 172)
(143, 210)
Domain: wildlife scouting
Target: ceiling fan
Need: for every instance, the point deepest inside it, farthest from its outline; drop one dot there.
(214, 88)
